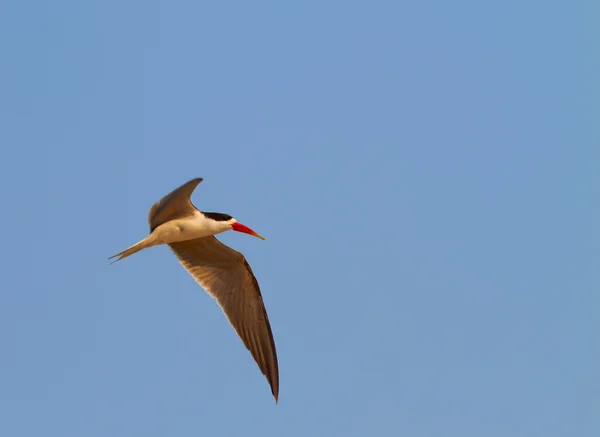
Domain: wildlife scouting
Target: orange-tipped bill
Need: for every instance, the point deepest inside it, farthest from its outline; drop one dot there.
(245, 229)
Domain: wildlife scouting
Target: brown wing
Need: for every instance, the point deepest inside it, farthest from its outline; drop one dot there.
(174, 205)
(225, 274)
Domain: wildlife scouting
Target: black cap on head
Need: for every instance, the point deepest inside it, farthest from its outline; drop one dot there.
(217, 216)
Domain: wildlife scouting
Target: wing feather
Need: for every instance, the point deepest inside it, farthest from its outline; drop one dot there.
(226, 275)
(176, 204)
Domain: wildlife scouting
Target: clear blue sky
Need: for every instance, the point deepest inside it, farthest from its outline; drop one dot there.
(426, 175)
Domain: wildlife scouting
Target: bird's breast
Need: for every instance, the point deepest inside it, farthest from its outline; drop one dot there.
(184, 229)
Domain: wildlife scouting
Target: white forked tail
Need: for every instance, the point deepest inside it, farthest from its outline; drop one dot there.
(149, 241)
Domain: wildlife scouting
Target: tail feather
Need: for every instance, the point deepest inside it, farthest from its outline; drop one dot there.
(144, 244)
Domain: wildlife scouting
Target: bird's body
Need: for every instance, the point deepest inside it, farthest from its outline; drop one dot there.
(223, 272)
(188, 228)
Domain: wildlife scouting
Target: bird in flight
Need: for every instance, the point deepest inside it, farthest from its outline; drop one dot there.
(223, 272)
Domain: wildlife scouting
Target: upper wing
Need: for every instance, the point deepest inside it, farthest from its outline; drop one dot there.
(225, 274)
(174, 205)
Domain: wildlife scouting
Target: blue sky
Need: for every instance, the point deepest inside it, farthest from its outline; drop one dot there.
(426, 176)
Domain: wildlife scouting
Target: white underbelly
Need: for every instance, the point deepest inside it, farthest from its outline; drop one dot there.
(183, 230)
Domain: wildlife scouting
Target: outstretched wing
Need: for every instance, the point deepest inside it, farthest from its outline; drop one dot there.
(176, 204)
(226, 275)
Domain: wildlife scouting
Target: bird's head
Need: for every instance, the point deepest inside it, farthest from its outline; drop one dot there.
(229, 223)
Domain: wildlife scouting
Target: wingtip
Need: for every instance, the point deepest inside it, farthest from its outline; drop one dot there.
(194, 183)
